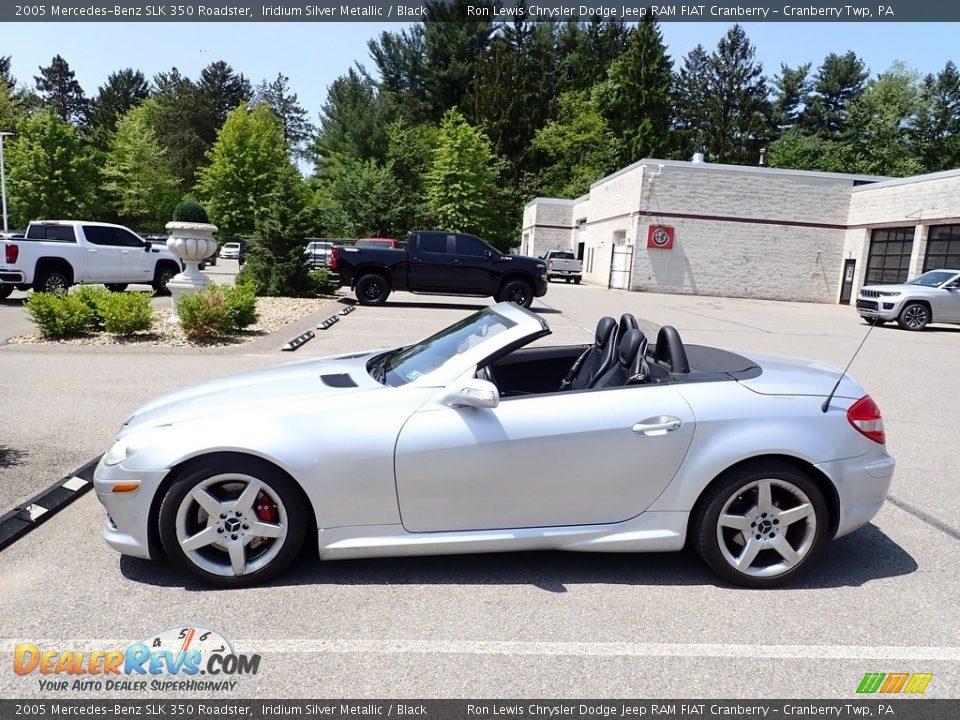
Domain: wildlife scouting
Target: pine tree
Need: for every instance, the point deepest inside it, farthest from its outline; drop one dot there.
(936, 132)
(791, 94)
(690, 90)
(6, 77)
(286, 106)
(180, 123)
(60, 91)
(123, 91)
(220, 90)
(839, 81)
(635, 97)
(353, 122)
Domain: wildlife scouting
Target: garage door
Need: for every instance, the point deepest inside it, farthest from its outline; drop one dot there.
(889, 259)
(943, 247)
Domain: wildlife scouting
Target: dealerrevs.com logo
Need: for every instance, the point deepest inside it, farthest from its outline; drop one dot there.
(177, 659)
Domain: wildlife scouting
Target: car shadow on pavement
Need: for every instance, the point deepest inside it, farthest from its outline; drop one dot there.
(10, 457)
(850, 561)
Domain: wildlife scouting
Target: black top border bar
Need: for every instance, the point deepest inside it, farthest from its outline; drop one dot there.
(407, 11)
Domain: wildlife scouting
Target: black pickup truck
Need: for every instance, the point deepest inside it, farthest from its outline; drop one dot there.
(439, 263)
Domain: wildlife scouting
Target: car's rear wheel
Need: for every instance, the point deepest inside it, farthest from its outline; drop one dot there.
(372, 289)
(576, 281)
(52, 281)
(914, 316)
(5, 291)
(162, 276)
(233, 524)
(517, 292)
(760, 525)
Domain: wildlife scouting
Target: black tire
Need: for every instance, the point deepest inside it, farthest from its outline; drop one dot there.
(23, 287)
(115, 287)
(567, 280)
(163, 274)
(52, 281)
(736, 490)
(576, 281)
(518, 292)
(372, 289)
(914, 316)
(293, 503)
(5, 291)
(873, 321)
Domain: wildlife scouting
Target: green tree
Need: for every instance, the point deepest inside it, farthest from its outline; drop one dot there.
(635, 97)
(409, 155)
(368, 195)
(6, 76)
(276, 259)
(462, 179)
(882, 116)
(839, 81)
(141, 187)
(51, 172)
(353, 122)
(123, 91)
(250, 154)
(12, 110)
(580, 146)
(60, 91)
(585, 51)
(285, 105)
(177, 118)
(737, 110)
(791, 94)
(220, 90)
(690, 91)
(936, 132)
(799, 150)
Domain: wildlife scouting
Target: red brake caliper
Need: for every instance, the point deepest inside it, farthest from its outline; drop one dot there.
(266, 511)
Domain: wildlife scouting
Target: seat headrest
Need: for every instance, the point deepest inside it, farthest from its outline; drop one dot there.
(627, 323)
(632, 345)
(605, 329)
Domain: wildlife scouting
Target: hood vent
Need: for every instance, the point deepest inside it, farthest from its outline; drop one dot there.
(338, 380)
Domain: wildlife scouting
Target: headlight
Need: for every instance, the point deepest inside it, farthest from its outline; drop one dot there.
(888, 293)
(130, 445)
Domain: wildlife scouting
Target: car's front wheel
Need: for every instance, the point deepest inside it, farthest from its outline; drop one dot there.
(517, 292)
(116, 287)
(233, 524)
(760, 525)
(914, 316)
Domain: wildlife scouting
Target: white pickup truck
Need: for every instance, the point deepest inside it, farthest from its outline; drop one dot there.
(55, 254)
(561, 264)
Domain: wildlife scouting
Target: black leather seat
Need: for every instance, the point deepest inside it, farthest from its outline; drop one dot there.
(596, 360)
(627, 323)
(630, 366)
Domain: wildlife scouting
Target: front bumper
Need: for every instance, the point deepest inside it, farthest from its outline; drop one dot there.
(541, 286)
(883, 308)
(127, 527)
(862, 485)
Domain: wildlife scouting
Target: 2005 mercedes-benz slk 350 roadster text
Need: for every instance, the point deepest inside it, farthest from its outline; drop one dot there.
(478, 440)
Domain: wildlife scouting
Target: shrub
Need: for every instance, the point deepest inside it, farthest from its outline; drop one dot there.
(59, 315)
(190, 211)
(94, 296)
(206, 314)
(321, 282)
(242, 302)
(125, 313)
(246, 278)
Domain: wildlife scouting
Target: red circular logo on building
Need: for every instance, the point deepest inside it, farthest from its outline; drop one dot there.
(660, 237)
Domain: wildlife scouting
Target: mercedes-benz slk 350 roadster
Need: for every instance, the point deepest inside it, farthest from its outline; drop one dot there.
(478, 439)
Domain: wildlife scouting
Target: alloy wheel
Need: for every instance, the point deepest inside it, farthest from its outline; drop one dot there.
(54, 283)
(231, 525)
(915, 317)
(372, 290)
(518, 296)
(766, 528)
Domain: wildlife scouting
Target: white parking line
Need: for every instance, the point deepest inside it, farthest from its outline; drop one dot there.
(576, 649)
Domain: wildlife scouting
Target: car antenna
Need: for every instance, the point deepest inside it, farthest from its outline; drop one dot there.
(826, 403)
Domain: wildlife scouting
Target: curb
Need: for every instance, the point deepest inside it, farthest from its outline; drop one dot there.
(37, 510)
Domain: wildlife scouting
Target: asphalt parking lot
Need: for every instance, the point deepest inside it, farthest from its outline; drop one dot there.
(527, 625)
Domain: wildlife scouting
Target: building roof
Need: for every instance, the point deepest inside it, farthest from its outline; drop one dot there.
(892, 182)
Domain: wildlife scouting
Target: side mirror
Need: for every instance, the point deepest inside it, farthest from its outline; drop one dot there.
(473, 392)
(146, 246)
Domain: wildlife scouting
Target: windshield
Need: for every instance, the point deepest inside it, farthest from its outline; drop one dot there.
(562, 256)
(399, 367)
(934, 278)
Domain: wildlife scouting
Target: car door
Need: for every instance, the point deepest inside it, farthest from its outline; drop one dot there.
(950, 301)
(471, 265)
(104, 258)
(136, 263)
(574, 458)
(431, 263)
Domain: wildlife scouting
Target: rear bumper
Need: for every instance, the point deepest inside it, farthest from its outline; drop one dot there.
(11, 277)
(862, 484)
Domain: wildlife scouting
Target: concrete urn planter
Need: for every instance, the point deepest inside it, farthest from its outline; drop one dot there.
(192, 243)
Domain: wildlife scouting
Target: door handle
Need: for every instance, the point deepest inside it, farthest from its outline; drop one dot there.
(455, 260)
(654, 426)
(124, 252)
(92, 250)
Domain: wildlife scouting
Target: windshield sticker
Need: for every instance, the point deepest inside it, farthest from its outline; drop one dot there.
(412, 375)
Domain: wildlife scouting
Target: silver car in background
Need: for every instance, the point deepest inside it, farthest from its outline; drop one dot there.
(931, 297)
(478, 439)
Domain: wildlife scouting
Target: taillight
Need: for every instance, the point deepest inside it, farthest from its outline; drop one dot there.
(13, 252)
(865, 417)
(334, 258)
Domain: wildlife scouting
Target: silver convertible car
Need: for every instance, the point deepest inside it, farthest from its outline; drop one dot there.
(478, 440)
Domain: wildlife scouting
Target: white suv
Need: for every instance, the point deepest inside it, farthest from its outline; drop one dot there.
(931, 297)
